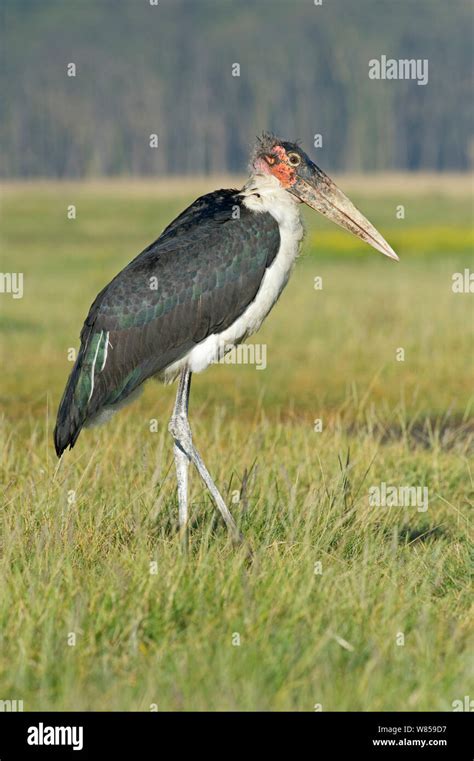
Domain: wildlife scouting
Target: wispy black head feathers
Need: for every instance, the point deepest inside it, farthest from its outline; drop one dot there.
(267, 142)
(264, 144)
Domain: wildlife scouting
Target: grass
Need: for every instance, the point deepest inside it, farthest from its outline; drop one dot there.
(344, 605)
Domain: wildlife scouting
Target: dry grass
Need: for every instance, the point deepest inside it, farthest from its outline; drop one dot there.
(334, 581)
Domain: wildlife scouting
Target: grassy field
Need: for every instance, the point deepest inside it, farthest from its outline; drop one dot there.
(345, 606)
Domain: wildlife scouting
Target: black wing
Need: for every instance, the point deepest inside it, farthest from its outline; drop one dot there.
(195, 280)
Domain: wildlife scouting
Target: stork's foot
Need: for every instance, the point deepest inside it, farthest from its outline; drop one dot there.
(186, 452)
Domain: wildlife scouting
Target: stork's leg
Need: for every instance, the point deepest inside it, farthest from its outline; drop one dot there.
(181, 459)
(185, 451)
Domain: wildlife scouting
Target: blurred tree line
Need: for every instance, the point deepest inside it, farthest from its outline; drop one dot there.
(168, 69)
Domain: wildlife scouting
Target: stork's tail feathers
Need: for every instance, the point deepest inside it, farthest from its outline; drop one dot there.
(87, 399)
(70, 417)
(75, 405)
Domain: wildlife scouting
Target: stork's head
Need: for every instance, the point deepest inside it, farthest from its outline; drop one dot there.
(297, 174)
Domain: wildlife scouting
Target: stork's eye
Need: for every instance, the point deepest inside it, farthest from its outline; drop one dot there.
(294, 159)
(270, 159)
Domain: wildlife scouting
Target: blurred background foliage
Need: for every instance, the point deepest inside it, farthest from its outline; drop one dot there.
(167, 69)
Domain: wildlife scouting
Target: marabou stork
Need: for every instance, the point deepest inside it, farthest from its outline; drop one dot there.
(205, 285)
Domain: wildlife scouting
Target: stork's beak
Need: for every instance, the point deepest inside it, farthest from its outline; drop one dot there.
(318, 191)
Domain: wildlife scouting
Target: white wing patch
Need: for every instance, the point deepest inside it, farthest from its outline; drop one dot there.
(100, 344)
(106, 350)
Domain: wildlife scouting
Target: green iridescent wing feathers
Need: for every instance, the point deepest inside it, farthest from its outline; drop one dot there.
(195, 280)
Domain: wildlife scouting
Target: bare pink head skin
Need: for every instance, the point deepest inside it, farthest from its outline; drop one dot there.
(278, 164)
(297, 174)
